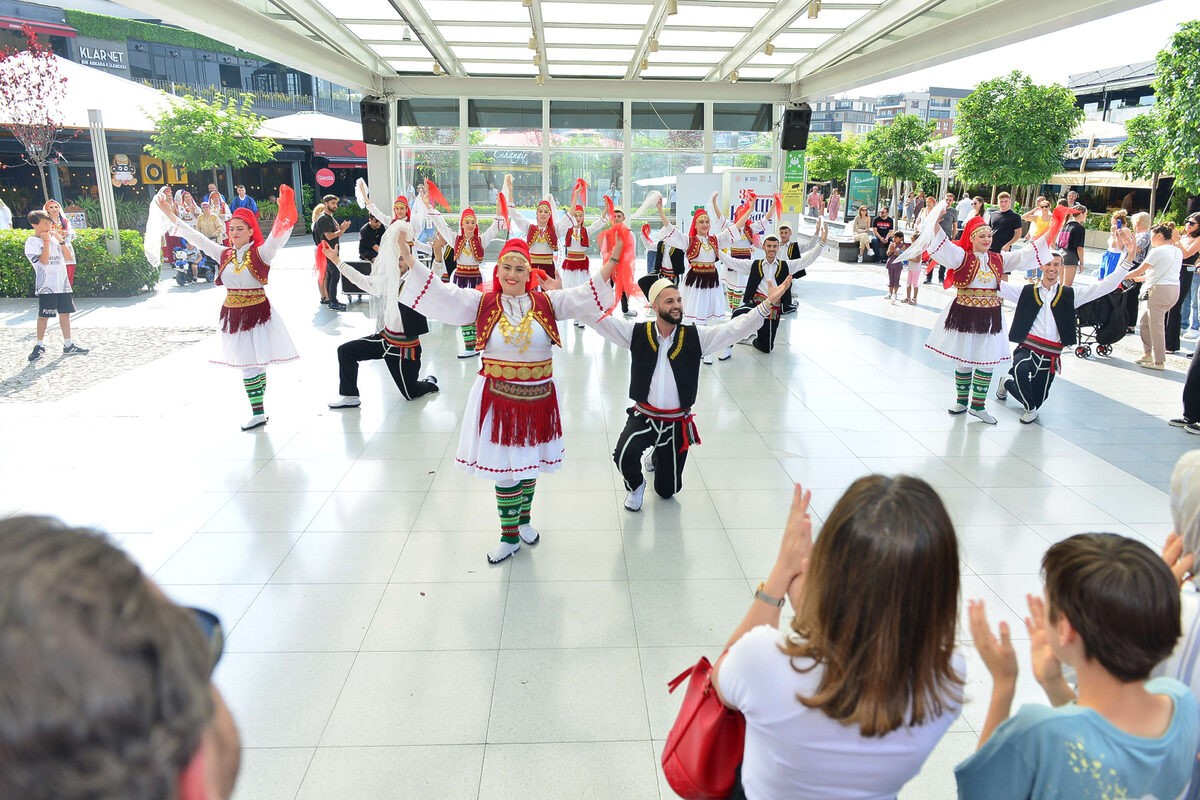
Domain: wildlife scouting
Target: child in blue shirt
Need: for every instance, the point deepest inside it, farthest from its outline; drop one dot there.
(1111, 611)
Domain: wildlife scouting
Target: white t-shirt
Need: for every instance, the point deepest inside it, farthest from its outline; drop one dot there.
(796, 753)
(51, 277)
(1165, 262)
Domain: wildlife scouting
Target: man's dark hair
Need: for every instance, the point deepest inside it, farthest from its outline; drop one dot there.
(774, 239)
(330, 198)
(240, 186)
(105, 686)
(1119, 595)
(37, 216)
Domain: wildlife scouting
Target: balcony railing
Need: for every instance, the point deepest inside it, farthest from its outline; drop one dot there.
(265, 101)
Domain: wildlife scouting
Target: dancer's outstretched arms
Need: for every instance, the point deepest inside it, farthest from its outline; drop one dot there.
(425, 293)
(722, 335)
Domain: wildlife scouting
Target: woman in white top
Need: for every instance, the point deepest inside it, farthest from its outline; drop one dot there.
(1160, 272)
(850, 698)
(5, 216)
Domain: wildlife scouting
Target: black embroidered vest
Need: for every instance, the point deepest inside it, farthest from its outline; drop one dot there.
(1062, 306)
(684, 356)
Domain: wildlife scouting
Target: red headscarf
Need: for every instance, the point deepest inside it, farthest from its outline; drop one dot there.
(964, 241)
(247, 216)
(696, 216)
(407, 209)
(520, 248)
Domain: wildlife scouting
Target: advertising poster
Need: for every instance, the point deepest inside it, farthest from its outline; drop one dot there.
(862, 189)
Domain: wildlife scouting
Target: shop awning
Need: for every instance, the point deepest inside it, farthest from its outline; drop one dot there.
(1098, 177)
(48, 28)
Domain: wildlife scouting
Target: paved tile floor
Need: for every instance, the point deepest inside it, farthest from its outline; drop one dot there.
(372, 651)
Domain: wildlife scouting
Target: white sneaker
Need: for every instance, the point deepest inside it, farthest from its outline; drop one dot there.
(528, 534)
(1001, 392)
(728, 354)
(1029, 416)
(633, 500)
(860, 258)
(957, 408)
(502, 551)
(707, 360)
(256, 421)
(345, 401)
(468, 353)
(1192, 334)
(648, 461)
(631, 313)
(982, 415)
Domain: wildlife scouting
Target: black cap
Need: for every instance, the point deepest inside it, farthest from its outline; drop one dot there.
(645, 282)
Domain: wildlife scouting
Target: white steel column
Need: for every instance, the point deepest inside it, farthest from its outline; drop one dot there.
(383, 162)
(464, 155)
(546, 151)
(627, 159)
(709, 145)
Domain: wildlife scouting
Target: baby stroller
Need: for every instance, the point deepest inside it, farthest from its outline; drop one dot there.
(1101, 323)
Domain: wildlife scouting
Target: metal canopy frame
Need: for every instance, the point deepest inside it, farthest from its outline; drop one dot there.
(627, 49)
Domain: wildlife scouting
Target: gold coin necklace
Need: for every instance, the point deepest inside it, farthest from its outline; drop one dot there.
(518, 335)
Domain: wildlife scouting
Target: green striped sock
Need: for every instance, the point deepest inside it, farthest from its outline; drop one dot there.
(508, 503)
(979, 388)
(468, 334)
(527, 488)
(256, 387)
(962, 385)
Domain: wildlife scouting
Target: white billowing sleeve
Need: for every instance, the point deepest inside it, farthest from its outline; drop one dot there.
(741, 265)
(489, 236)
(945, 252)
(595, 228)
(674, 237)
(517, 222)
(724, 334)
(579, 302)
(270, 247)
(425, 293)
(375, 212)
(808, 256)
(562, 225)
(1088, 293)
(724, 239)
(614, 328)
(1038, 253)
(360, 280)
(440, 225)
(202, 242)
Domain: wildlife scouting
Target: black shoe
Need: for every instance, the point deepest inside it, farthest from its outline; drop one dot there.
(336, 306)
(324, 301)
(38, 352)
(74, 350)
(1180, 422)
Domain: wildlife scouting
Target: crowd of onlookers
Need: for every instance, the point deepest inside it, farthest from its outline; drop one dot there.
(107, 689)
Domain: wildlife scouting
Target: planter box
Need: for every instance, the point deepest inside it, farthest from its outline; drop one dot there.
(1096, 239)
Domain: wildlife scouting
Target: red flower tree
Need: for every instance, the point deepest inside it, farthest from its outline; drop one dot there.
(32, 93)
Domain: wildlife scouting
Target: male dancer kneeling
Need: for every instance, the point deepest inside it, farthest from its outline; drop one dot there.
(664, 374)
(397, 328)
(1044, 324)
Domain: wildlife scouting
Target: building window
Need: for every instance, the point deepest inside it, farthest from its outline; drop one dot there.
(505, 123)
(580, 123)
(674, 126)
(429, 120)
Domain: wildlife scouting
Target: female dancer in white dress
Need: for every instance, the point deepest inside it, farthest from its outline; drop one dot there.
(971, 330)
(512, 429)
(252, 334)
(469, 245)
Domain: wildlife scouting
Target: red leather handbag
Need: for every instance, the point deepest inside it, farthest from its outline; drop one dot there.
(704, 747)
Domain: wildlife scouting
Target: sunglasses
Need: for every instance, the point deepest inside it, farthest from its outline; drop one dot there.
(214, 634)
(1192, 222)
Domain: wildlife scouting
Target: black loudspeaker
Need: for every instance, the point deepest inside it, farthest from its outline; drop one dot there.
(795, 127)
(376, 122)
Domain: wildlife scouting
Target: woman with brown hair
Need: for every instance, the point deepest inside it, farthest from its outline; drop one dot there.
(850, 699)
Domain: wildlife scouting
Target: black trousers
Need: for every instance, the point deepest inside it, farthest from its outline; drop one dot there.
(666, 437)
(405, 371)
(764, 340)
(332, 276)
(1029, 378)
(1191, 393)
(1174, 315)
(1131, 305)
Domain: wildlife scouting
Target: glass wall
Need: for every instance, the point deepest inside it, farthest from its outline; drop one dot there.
(487, 171)
(426, 120)
(439, 166)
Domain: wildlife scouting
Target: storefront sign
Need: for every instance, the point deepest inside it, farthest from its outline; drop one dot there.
(1085, 154)
(325, 177)
(102, 53)
(340, 149)
(156, 171)
(862, 189)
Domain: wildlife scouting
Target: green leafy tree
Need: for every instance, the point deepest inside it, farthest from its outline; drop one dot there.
(900, 151)
(828, 159)
(1145, 155)
(1012, 132)
(204, 134)
(1177, 75)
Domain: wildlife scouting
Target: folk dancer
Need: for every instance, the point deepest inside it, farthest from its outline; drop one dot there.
(767, 273)
(397, 328)
(542, 235)
(971, 329)
(253, 336)
(664, 376)
(746, 237)
(703, 298)
(575, 266)
(1044, 324)
(513, 430)
(400, 210)
(788, 249)
(469, 246)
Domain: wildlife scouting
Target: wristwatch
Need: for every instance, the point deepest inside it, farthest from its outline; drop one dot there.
(759, 594)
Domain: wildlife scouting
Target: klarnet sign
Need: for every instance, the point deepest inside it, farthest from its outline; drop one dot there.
(102, 53)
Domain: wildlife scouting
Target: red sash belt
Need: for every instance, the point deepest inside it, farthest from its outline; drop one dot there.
(1046, 347)
(691, 434)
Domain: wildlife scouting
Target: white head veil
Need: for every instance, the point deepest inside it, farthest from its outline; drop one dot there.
(1185, 500)
(385, 271)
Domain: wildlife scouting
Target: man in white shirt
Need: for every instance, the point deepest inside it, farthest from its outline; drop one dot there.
(1044, 324)
(964, 209)
(664, 376)
(44, 249)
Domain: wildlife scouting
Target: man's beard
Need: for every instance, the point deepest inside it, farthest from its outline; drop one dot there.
(671, 317)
